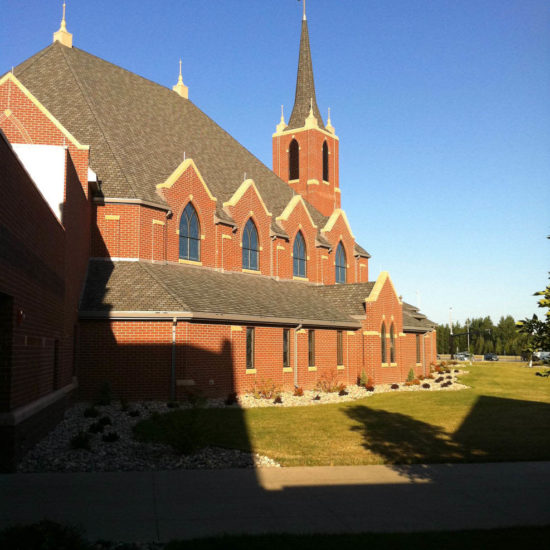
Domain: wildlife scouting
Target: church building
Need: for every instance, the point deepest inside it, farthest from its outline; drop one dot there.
(142, 246)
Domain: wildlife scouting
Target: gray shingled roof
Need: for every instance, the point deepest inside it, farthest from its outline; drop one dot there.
(305, 86)
(413, 320)
(146, 287)
(349, 298)
(138, 130)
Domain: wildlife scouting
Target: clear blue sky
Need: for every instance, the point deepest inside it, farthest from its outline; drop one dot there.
(442, 108)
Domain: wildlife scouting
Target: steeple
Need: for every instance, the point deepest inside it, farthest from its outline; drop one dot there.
(305, 86)
(62, 35)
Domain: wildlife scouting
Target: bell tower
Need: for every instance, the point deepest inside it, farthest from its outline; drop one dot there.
(305, 151)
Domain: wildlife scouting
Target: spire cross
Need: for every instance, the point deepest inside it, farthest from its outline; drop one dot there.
(180, 79)
(63, 23)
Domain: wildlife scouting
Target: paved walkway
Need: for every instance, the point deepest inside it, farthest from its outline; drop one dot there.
(159, 506)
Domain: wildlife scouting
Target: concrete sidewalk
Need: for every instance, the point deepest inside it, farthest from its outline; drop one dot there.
(159, 506)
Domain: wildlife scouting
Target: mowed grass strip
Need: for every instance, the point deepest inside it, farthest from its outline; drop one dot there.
(505, 415)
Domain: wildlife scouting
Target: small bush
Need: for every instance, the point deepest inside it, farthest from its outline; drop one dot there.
(449, 377)
(91, 412)
(80, 441)
(456, 370)
(124, 404)
(363, 381)
(173, 404)
(439, 379)
(231, 399)
(266, 389)
(328, 382)
(369, 388)
(104, 394)
(105, 421)
(426, 386)
(298, 392)
(421, 377)
(394, 386)
(278, 400)
(416, 382)
(44, 535)
(430, 377)
(343, 392)
(110, 437)
(408, 383)
(410, 376)
(134, 413)
(317, 398)
(96, 428)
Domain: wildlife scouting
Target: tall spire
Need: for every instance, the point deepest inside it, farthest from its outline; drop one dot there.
(62, 35)
(305, 86)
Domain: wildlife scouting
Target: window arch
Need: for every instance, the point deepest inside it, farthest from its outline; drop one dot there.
(383, 343)
(340, 264)
(190, 234)
(392, 344)
(250, 246)
(294, 160)
(299, 256)
(325, 161)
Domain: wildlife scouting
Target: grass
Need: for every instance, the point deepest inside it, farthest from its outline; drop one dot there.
(505, 415)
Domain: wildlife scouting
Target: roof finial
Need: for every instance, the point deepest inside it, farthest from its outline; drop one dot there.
(304, 16)
(329, 127)
(311, 119)
(180, 88)
(62, 35)
(282, 124)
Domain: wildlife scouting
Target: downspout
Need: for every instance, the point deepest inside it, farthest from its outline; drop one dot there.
(173, 369)
(296, 354)
(424, 354)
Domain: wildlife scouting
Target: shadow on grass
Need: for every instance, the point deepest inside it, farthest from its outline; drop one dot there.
(495, 430)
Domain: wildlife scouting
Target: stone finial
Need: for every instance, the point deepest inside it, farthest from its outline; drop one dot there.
(311, 119)
(62, 35)
(329, 127)
(180, 88)
(282, 124)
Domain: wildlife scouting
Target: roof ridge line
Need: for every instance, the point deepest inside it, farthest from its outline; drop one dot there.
(99, 124)
(151, 273)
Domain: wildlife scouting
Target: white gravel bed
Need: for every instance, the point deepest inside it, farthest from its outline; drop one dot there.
(54, 452)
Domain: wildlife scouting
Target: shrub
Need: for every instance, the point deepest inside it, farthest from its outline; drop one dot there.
(298, 392)
(410, 376)
(231, 399)
(343, 392)
(134, 413)
(456, 370)
(173, 404)
(421, 377)
(416, 382)
(110, 437)
(80, 441)
(408, 383)
(363, 380)
(369, 388)
(104, 394)
(91, 412)
(448, 377)
(266, 389)
(328, 382)
(278, 400)
(439, 379)
(95, 428)
(426, 385)
(394, 386)
(124, 404)
(317, 398)
(430, 377)
(45, 535)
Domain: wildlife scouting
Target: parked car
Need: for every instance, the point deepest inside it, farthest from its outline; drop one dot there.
(490, 357)
(464, 356)
(541, 355)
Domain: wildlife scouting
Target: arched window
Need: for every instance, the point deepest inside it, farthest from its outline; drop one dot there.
(340, 264)
(299, 255)
(294, 160)
(392, 345)
(383, 343)
(190, 234)
(250, 246)
(325, 161)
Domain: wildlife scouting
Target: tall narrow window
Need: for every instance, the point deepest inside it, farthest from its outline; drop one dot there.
(418, 348)
(249, 348)
(190, 237)
(392, 345)
(250, 246)
(339, 348)
(311, 347)
(325, 161)
(340, 264)
(294, 160)
(286, 348)
(299, 256)
(383, 344)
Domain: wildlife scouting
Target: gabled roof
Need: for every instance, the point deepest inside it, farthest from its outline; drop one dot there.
(305, 86)
(349, 298)
(414, 321)
(121, 288)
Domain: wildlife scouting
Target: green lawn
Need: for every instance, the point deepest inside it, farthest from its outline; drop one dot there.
(504, 416)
